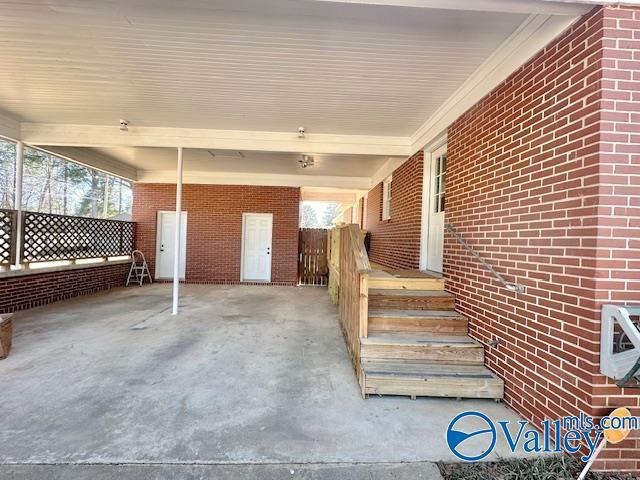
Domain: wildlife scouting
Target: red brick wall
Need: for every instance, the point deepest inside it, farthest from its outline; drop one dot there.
(543, 178)
(27, 291)
(214, 227)
(347, 216)
(396, 242)
(617, 246)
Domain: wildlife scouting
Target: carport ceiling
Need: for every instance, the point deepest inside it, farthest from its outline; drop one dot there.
(232, 161)
(257, 65)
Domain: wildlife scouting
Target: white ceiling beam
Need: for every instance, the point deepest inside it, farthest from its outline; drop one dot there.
(548, 7)
(534, 33)
(323, 194)
(243, 178)
(111, 136)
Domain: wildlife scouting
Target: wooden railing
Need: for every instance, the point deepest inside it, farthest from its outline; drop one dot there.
(354, 302)
(333, 262)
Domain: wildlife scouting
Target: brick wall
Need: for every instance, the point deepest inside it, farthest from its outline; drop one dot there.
(396, 242)
(32, 290)
(347, 216)
(543, 178)
(617, 245)
(214, 227)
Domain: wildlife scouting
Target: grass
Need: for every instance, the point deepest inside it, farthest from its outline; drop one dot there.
(543, 468)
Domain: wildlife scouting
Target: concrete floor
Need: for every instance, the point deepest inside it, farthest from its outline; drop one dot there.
(244, 375)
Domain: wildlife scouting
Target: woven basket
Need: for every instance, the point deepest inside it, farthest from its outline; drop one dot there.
(6, 331)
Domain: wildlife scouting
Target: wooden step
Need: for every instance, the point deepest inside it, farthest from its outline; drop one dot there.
(425, 321)
(389, 299)
(453, 349)
(383, 280)
(428, 380)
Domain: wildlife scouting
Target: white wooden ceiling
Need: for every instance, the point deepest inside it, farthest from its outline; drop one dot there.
(164, 159)
(269, 65)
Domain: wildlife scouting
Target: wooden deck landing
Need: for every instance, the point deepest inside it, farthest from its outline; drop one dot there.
(383, 277)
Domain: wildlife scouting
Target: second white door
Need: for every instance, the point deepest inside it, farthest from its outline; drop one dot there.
(257, 232)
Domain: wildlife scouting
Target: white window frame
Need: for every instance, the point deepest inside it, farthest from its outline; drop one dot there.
(387, 195)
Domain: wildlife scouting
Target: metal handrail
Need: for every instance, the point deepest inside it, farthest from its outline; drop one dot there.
(514, 287)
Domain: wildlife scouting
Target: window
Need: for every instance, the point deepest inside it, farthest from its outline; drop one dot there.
(386, 198)
(7, 173)
(439, 183)
(55, 185)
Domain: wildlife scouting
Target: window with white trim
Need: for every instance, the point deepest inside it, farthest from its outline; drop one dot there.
(439, 183)
(386, 198)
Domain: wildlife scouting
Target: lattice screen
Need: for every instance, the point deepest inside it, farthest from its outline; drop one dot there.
(49, 237)
(7, 236)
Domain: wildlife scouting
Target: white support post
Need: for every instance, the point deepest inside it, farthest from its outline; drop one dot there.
(17, 203)
(105, 201)
(176, 251)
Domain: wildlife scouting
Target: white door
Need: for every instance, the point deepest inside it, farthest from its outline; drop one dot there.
(166, 244)
(435, 236)
(257, 231)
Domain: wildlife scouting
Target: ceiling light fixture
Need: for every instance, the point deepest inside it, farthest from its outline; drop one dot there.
(306, 161)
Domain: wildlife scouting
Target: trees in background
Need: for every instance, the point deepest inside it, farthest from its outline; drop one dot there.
(7, 173)
(318, 214)
(55, 185)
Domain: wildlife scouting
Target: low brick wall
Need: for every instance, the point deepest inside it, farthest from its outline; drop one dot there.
(32, 290)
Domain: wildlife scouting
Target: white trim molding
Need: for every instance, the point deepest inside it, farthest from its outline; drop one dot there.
(9, 128)
(549, 7)
(266, 179)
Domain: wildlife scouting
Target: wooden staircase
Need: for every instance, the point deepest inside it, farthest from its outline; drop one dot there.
(401, 328)
(417, 344)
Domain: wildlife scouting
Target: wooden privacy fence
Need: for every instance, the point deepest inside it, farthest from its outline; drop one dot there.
(354, 292)
(312, 256)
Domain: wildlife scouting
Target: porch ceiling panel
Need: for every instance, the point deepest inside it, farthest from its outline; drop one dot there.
(247, 162)
(240, 64)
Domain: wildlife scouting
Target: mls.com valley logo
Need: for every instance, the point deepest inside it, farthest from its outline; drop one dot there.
(472, 436)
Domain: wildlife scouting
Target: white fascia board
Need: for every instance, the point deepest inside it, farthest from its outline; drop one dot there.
(238, 178)
(547, 7)
(94, 160)
(112, 136)
(536, 32)
(9, 128)
(324, 194)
